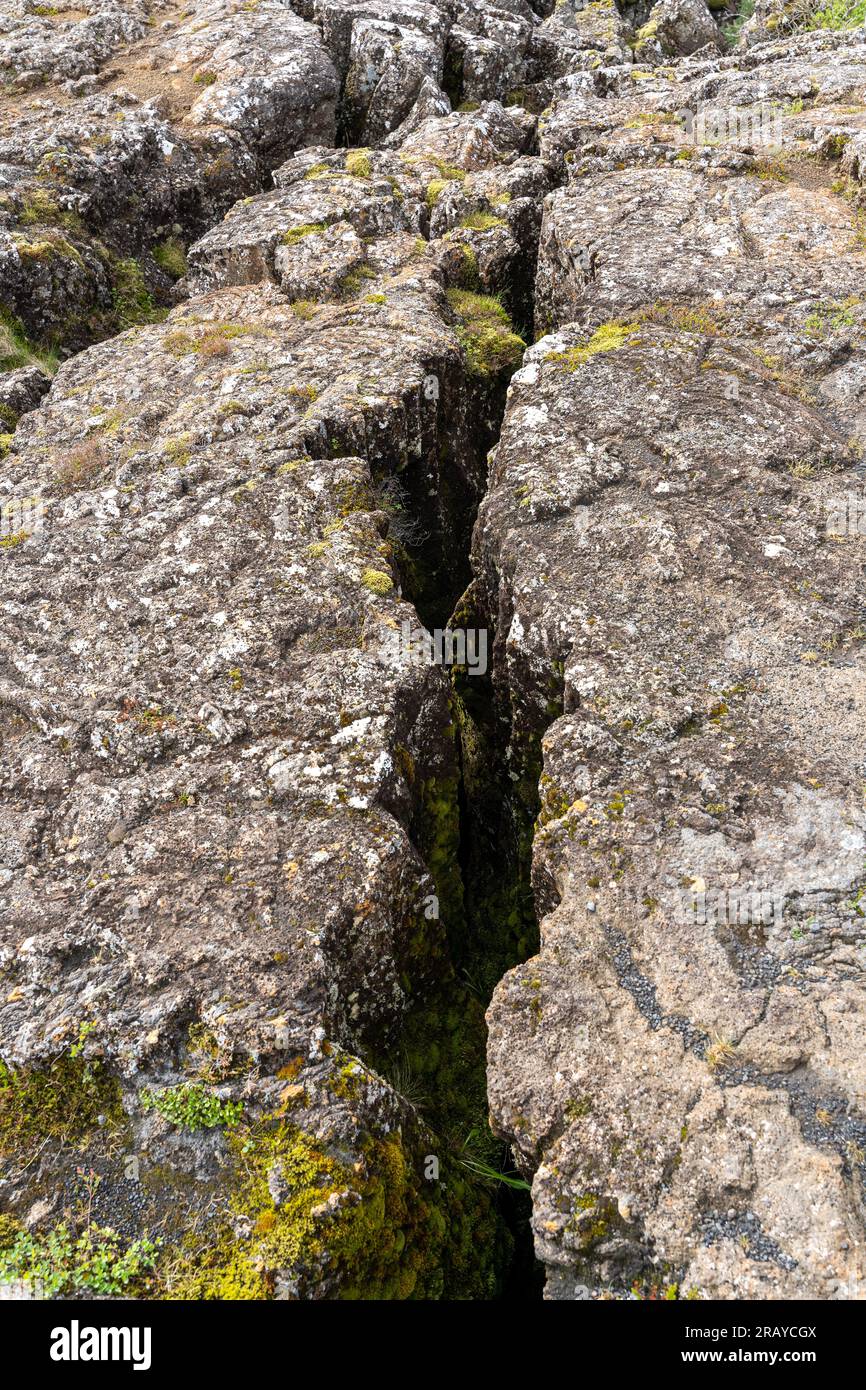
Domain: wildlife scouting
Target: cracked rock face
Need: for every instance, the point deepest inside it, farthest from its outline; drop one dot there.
(229, 825)
(159, 139)
(289, 258)
(677, 1066)
(701, 838)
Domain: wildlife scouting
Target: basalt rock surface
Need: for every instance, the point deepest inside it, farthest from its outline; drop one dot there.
(230, 816)
(104, 177)
(679, 1064)
(258, 861)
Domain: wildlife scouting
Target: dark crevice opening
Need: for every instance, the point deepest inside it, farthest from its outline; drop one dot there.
(496, 927)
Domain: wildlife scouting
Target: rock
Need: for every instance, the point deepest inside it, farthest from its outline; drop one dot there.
(91, 188)
(680, 965)
(586, 565)
(266, 843)
(460, 180)
(679, 27)
(35, 49)
(21, 390)
(249, 789)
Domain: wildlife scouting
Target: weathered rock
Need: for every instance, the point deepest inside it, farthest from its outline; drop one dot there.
(807, 97)
(266, 438)
(459, 181)
(233, 811)
(21, 390)
(670, 536)
(677, 28)
(723, 246)
(220, 784)
(699, 848)
(100, 193)
(35, 48)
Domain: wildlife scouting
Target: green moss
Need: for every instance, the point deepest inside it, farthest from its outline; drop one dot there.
(10, 542)
(592, 1220)
(831, 316)
(358, 164)
(771, 170)
(131, 299)
(192, 1107)
(434, 189)
(437, 834)
(377, 1231)
(17, 351)
(51, 247)
(353, 280)
(449, 172)
(377, 581)
(305, 309)
(178, 451)
(10, 1228)
(296, 234)
(482, 221)
(554, 802)
(468, 275)
(354, 496)
(65, 1102)
(486, 333)
(170, 256)
(644, 118)
(608, 338)
(40, 208)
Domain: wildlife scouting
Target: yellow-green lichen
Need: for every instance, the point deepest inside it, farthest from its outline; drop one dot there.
(377, 581)
(296, 234)
(358, 164)
(608, 338)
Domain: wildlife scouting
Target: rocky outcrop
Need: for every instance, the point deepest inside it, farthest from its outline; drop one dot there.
(125, 135)
(676, 28)
(677, 1066)
(103, 179)
(699, 847)
(230, 875)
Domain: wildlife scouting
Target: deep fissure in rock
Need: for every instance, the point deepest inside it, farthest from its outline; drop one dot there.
(493, 925)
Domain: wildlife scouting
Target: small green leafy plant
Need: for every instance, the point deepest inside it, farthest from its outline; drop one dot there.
(193, 1107)
(59, 1262)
